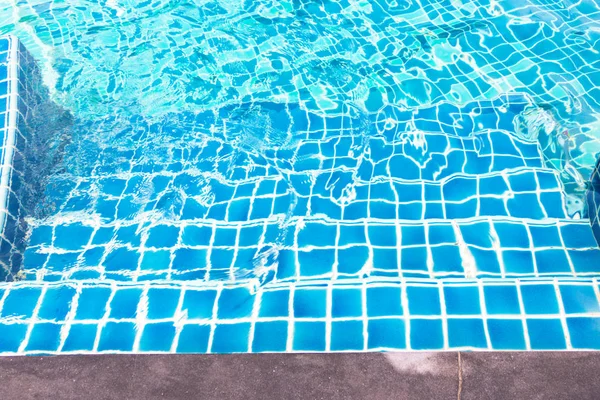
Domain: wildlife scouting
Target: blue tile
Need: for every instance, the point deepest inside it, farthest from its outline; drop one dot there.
(501, 299)
(197, 235)
(462, 300)
(21, 302)
(11, 336)
(579, 299)
(124, 303)
(347, 335)
(423, 300)
(384, 301)
(584, 332)
(539, 299)
(447, 259)
(310, 303)
(426, 334)
(316, 262)
(518, 262)
(309, 336)
(346, 303)
(44, 337)
(578, 235)
(466, 333)
(187, 259)
(199, 303)
(270, 336)
(235, 302)
(546, 334)
(352, 259)
(512, 235)
(412, 235)
(552, 261)
(231, 338)
(506, 334)
(157, 337)
(386, 334)
(193, 339)
(81, 337)
(117, 336)
(163, 236)
(72, 237)
(162, 302)
(274, 303)
(156, 260)
(121, 258)
(92, 303)
(384, 235)
(56, 303)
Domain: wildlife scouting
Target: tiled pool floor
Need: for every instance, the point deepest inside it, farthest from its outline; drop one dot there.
(396, 187)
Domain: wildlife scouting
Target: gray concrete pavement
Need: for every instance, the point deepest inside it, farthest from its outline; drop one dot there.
(316, 376)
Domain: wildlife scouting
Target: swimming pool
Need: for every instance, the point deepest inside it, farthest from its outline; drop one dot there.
(198, 176)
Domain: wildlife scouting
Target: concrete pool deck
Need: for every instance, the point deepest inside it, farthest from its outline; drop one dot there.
(540, 375)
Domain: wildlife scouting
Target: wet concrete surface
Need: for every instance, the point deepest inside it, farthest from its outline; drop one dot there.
(304, 376)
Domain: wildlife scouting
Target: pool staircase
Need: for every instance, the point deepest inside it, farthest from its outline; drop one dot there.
(436, 228)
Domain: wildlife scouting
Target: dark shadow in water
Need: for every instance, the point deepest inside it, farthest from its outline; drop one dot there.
(43, 130)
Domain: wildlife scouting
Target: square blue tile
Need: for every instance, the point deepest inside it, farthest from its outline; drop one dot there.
(92, 303)
(21, 302)
(387, 333)
(310, 303)
(231, 338)
(347, 335)
(384, 301)
(56, 303)
(81, 337)
(193, 339)
(124, 303)
(579, 299)
(426, 334)
(157, 337)
(546, 334)
(117, 336)
(423, 300)
(539, 299)
(274, 303)
(199, 303)
(44, 337)
(584, 332)
(11, 336)
(506, 334)
(346, 303)
(236, 302)
(270, 336)
(462, 300)
(162, 302)
(309, 336)
(466, 333)
(501, 299)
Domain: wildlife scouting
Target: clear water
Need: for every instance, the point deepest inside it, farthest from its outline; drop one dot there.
(311, 176)
(285, 124)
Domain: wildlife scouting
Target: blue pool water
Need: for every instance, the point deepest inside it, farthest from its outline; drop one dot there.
(217, 176)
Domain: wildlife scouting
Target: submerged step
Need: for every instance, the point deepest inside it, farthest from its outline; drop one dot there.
(364, 315)
(305, 249)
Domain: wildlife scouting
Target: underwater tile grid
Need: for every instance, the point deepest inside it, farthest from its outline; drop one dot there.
(392, 186)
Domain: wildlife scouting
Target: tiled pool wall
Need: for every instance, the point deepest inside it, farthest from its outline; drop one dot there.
(359, 315)
(28, 118)
(130, 287)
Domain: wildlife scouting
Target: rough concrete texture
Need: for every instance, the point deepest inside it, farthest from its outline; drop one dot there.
(310, 376)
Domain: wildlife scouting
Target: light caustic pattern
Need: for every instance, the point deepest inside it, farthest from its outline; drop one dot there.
(281, 141)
